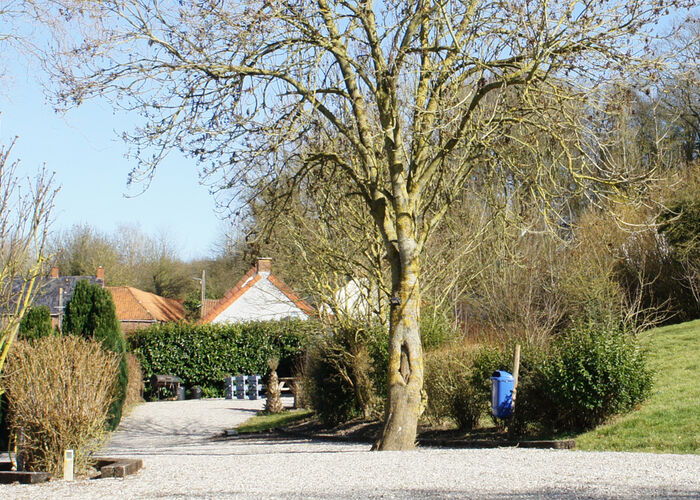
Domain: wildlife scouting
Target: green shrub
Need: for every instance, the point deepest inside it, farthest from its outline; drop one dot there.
(91, 314)
(346, 373)
(205, 355)
(330, 394)
(584, 378)
(36, 323)
(486, 360)
(591, 375)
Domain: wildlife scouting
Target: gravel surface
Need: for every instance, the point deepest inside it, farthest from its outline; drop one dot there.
(181, 460)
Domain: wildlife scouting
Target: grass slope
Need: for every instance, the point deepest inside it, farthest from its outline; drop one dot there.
(669, 421)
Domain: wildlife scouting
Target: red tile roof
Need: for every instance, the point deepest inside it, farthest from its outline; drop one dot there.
(209, 306)
(133, 304)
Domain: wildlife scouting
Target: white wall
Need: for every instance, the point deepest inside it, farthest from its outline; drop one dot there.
(263, 301)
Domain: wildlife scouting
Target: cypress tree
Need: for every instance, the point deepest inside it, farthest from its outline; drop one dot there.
(79, 309)
(91, 314)
(36, 323)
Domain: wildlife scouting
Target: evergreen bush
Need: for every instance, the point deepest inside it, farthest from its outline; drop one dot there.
(591, 375)
(36, 323)
(329, 393)
(91, 314)
(586, 376)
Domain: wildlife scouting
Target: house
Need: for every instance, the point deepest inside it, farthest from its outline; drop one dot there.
(137, 309)
(257, 296)
(55, 292)
(358, 299)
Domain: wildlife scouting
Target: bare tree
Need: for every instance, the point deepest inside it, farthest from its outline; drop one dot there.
(419, 93)
(25, 210)
(326, 243)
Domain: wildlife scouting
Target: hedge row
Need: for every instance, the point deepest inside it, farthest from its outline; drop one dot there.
(584, 378)
(204, 355)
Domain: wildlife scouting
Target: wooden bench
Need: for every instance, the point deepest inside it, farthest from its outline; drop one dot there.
(169, 382)
(288, 384)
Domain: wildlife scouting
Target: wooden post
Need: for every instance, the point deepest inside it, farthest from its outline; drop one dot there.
(516, 370)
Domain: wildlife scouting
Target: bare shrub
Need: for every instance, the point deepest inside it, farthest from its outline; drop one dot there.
(58, 391)
(134, 387)
(345, 373)
(449, 387)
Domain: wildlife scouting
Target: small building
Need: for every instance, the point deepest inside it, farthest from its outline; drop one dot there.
(258, 296)
(359, 300)
(137, 309)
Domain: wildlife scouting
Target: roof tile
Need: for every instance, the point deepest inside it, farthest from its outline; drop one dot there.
(137, 305)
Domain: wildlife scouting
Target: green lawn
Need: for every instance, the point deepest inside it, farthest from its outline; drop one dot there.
(263, 422)
(669, 421)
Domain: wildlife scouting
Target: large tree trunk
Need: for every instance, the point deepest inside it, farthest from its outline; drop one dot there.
(405, 376)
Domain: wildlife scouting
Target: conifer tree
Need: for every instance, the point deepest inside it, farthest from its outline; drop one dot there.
(91, 314)
(36, 323)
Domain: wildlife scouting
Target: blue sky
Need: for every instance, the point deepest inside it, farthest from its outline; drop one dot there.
(84, 149)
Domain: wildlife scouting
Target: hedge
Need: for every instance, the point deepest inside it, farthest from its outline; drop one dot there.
(582, 379)
(204, 355)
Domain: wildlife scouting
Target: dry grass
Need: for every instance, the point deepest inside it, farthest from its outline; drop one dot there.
(59, 390)
(134, 388)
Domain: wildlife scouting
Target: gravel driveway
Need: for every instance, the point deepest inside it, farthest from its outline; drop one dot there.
(182, 461)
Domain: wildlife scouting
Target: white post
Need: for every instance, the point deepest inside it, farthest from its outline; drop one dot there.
(68, 465)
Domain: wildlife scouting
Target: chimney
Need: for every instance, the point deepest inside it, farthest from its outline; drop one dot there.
(54, 272)
(264, 265)
(101, 274)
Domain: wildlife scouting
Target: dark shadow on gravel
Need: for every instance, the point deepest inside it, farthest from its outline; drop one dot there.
(155, 429)
(243, 410)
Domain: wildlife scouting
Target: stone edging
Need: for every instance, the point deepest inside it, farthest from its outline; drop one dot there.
(118, 467)
(567, 444)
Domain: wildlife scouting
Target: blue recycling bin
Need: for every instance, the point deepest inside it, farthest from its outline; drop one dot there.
(502, 385)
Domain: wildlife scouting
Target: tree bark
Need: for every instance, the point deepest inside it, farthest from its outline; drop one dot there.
(405, 375)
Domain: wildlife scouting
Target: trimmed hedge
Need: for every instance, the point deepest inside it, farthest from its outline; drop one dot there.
(204, 355)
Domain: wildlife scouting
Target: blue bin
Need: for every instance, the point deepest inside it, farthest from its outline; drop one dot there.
(502, 385)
